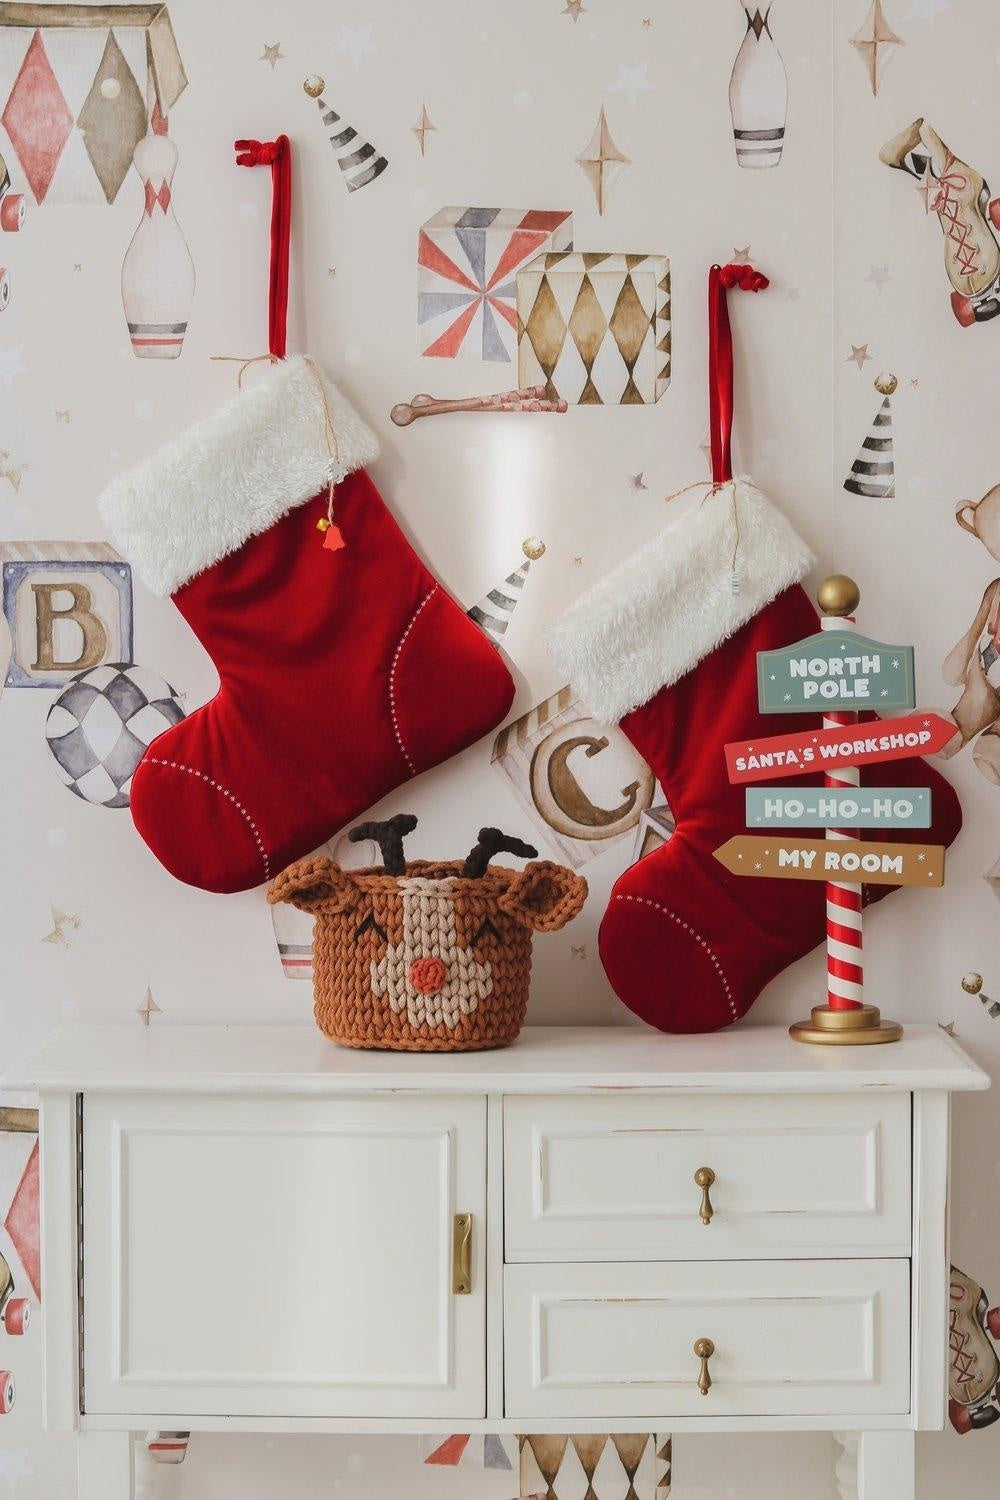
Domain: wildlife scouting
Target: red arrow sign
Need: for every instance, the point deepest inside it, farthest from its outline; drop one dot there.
(827, 749)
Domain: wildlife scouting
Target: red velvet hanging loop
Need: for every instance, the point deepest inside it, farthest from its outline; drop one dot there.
(278, 156)
(720, 359)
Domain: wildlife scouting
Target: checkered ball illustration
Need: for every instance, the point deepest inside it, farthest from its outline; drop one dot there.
(101, 724)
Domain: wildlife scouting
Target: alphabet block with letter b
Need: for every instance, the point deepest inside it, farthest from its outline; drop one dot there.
(67, 606)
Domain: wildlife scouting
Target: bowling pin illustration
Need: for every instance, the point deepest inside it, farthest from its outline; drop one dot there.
(157, 272)
(758, 93)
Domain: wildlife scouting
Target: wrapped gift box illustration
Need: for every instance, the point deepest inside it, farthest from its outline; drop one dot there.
(467, 262)
(78, 84)
(595, 328)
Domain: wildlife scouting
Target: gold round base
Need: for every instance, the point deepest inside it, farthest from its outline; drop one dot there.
(845, 1028)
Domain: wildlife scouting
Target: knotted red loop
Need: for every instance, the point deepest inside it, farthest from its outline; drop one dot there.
(720, 360)
(278, 156)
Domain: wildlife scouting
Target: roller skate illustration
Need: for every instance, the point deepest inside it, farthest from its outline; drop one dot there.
(14, 1312)
(12, 210)
(968, 215)
(973, 1331)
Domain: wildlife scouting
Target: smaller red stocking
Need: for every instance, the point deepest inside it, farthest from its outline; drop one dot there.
(665, 648)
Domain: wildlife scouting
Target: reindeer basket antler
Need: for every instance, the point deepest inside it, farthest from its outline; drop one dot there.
(422, 956)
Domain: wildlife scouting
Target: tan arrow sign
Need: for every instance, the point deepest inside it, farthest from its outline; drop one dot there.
(853, 860)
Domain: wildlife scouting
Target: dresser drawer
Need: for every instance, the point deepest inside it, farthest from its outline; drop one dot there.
(791, 1338)
(611, 1177)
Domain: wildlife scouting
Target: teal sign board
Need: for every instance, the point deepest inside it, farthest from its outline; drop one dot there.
(835, 669)
(827, 807)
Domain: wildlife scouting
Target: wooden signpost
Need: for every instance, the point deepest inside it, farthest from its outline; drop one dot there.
(829, 749)
(853, 860)
(837, 673)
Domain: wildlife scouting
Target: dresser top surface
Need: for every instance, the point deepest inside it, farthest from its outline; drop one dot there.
(544, 1059)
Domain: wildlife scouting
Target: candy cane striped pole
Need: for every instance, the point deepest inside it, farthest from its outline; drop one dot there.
(845, 983)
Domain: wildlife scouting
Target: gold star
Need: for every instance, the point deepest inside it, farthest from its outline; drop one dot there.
(575, 9)
(78, 265)
(331, 270)
(636, 482)
(148, 1009)
(875, 43)
(602, 162)
(647, 20)
(422, 129)
(577, 561)
(741, 256)
(62, 416)
(914, 384)
(580, 952)
(272, 54)
(62, 925)
(859, 354)
(11, 472)
(949, 1030)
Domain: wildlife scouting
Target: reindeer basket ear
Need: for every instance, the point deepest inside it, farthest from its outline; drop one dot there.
(545, 896)
(315, 885)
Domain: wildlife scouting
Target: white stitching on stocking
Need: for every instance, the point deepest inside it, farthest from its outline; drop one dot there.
(174, 765)
(392, 681)
(657, 906)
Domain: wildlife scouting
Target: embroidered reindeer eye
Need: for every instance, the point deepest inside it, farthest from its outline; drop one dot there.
(485, 929)
(370, 925)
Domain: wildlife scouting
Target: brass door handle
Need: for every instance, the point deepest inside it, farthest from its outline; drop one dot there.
(461, 1255)
(704, 1177)
(703, 1350)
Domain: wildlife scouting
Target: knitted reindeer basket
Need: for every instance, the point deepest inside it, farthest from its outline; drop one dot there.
(424, 956)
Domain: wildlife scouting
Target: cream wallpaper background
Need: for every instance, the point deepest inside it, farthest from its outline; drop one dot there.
(514, 90)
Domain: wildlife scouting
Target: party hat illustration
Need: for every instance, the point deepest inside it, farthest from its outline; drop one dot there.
(873, 472)
(493, 614)
(356, 157)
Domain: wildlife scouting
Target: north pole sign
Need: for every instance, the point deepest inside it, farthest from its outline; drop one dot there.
(831, 749)
(838, 807)
(835, 669)
(850, 861)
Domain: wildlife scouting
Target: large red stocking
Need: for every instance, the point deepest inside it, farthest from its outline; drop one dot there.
(344, 669)
(665, 648)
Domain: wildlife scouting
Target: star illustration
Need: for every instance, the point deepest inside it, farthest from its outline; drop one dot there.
(879, 275)
(647, 21)
(574, 9)
(636, 483)
(921, 858)
(62, 416)
(78, 265)
(14, 1465)
(13, 473)
(602, 162)
(422, 129)
(331, 270)
(758, 865)
(356, 44)
(148, 1009)
(631, 82)
(577, 561)
(580, 952)
(914, 384)
(273, 54)
(62, 926)
(875, 43)
(859, 354)
(948, 1029)
(741, 256)
(11, 365)
(926, 10)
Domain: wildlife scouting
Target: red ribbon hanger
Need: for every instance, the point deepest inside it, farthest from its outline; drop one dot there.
(720, 360)
(278, 156)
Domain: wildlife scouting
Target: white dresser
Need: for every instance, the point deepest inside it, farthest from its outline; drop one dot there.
(250, 1229)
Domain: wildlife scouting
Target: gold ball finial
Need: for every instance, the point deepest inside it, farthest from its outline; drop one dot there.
(972, 982)
(314, 85)
(533, 548)
(886, 384)
(838, 595)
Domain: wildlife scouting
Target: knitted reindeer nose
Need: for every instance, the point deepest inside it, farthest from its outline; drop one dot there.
(427, 975)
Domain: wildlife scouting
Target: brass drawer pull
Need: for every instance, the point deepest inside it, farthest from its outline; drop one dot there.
(703, 1350)
(704, 1177)
(461, 1255)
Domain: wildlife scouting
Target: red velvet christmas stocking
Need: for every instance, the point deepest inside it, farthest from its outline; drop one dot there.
(665, 648)
(344, 669)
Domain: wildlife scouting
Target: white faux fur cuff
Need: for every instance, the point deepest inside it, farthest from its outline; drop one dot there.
(231, 476)
(668, 605)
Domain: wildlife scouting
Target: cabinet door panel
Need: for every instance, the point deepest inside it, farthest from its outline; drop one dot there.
(606, 1177)
(803, 1337)
(276, 1256)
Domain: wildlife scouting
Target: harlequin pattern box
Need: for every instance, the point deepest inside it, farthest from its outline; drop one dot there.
(595, 328)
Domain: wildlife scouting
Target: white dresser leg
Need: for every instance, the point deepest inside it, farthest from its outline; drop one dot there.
(104, 1466)
(877, 1465)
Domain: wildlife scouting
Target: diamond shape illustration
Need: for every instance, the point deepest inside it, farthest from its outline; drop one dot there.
(37, 118)
(112, 123)
(21, 1223)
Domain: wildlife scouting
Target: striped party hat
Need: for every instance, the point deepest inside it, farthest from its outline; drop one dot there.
(873, 472)
(357, 158)
(493, 614)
